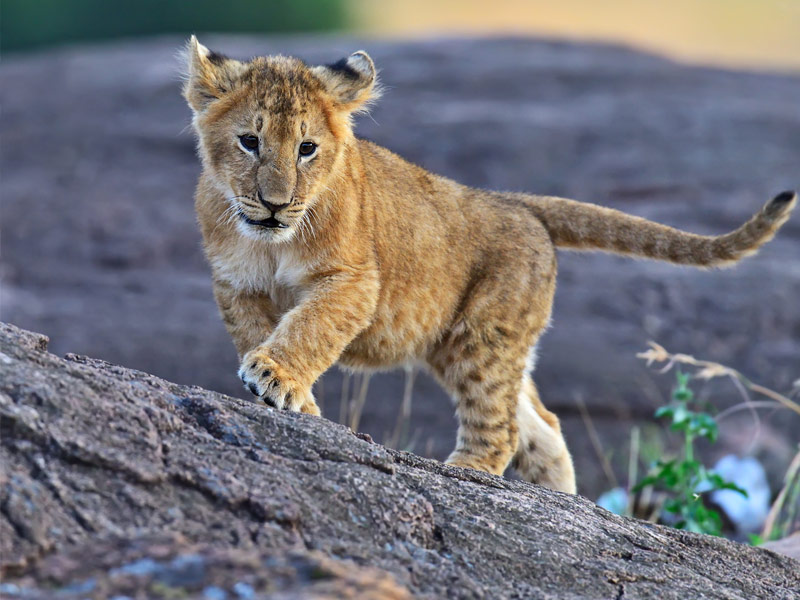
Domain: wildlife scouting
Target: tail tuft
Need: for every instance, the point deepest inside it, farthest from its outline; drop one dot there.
(781, 205)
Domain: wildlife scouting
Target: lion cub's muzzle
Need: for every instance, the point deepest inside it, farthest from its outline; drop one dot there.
(270, 222)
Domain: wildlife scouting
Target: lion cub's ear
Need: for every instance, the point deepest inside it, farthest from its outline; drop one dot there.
(209, 75)
(352, 81)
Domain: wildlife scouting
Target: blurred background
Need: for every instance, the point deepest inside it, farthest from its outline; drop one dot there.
(736, 33)
(685, 112)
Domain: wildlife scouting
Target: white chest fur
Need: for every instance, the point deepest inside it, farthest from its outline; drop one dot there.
(254, 266)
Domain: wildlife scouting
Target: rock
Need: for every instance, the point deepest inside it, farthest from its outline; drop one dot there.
(170, 567)
(790, 546)
(98, 169)
(114, 481)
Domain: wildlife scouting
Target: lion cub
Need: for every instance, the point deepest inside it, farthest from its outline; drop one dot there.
(327, 248)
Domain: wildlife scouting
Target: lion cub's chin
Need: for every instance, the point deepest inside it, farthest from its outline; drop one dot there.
(265, 234)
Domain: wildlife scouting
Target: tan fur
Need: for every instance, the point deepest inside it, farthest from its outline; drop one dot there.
(380, 263)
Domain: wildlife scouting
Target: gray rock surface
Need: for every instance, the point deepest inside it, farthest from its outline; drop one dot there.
(113, 482)
(101, 252)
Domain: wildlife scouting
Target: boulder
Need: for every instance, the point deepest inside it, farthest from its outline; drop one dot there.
(114, 482)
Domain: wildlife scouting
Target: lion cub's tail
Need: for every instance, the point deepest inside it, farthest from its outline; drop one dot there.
(583, 226)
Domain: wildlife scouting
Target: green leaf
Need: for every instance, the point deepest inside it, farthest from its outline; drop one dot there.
(661, 472)
(718, 483)
(682, 393)
(701, 513)
(729, 485)
(713, 523)
(693, 526)
(647, 481)
(680, 417)
(689, 468)
(705, 520)
(665, 411)
(704, 425)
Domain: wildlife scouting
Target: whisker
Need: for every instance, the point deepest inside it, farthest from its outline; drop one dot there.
(227, 216)
(226, 213)
(311, 214)
(306, 229)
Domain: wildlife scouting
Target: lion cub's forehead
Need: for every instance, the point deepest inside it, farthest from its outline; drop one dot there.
(282, 85)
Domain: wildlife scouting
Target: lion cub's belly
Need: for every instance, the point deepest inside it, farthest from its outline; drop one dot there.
(401, 332)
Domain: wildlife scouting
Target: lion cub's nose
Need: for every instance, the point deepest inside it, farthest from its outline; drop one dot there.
(273, 207)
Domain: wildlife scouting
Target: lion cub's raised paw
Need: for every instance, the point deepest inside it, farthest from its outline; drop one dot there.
(270, 382)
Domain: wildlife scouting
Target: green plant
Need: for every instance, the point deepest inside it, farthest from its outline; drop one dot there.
(685, 478)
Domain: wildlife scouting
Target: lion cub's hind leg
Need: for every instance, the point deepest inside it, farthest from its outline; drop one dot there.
(542, 456)
(485, 388)
(481, 360)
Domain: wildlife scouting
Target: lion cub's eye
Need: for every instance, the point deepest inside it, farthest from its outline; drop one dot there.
(307, 148)
(249, 141)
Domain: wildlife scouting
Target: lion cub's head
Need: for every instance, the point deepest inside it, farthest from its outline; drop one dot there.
(271, 130)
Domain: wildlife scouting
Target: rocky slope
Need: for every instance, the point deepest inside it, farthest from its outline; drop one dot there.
(115, 482)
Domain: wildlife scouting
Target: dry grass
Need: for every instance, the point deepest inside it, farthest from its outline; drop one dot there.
(400, 437)
(597, 445)
(705, 370)
(351, 402)
(353, 397)
(783, 516)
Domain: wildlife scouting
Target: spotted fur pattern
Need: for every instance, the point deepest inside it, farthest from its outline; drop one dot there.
(352, 254)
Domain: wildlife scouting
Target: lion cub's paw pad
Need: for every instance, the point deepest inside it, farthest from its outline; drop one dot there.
(264, 378)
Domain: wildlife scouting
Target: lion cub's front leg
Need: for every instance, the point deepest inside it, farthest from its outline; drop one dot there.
(309, 339)
(250, 318)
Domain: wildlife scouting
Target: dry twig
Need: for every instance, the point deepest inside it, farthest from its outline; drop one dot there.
(596, 444)
(709, 370)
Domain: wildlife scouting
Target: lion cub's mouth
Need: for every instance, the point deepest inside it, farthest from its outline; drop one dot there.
(269, 223)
